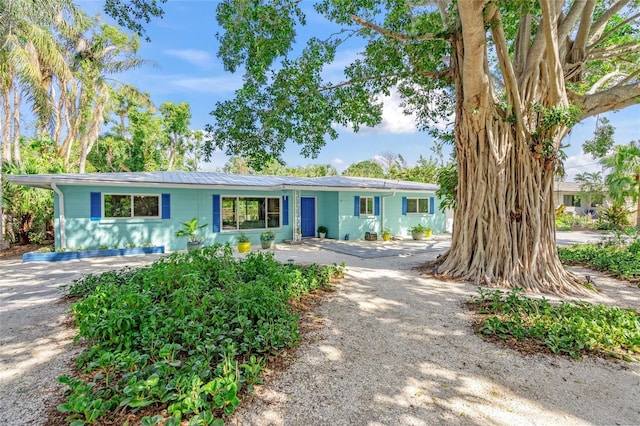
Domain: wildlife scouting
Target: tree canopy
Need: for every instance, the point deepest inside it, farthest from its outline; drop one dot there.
(517, 75)
(624, 180)
(407, 46)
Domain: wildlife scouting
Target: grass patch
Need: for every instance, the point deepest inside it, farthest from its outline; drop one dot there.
(573, 329)
(185, 335)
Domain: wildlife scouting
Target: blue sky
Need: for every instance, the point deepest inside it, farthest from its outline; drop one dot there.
(184, 68)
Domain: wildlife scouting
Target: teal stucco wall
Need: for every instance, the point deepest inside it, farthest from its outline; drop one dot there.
(390, 215)
(334, 209)
(185, 204)
(326, 210)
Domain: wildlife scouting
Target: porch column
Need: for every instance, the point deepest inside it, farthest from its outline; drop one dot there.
(297, 220)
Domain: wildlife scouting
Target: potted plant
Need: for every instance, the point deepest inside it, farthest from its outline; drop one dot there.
(322, 231)
(268, 239)
(428, 232)
(386, 234)
(244, 243)
(190, 229)
(418, 231)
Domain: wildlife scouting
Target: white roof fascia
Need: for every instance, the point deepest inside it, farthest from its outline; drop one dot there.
(47, 181)
(171, 185)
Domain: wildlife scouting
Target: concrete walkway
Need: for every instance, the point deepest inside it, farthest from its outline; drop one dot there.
(437, 244)
(376, 249)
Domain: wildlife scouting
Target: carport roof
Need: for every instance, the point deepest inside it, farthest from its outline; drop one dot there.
(220, 180)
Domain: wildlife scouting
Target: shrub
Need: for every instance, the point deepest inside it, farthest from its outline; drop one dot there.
(186, 334)
(568, 222)
(569, 328)
(619, 260)
(419, 228)
(267, 236)
(614, 217)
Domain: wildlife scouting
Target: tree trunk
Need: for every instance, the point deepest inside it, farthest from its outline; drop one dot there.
(504, 224)
(173, 144)
(71, 116)
(57, 113)
(6, 126)
(17, 98)
(72, 133)
(91, 136)
(504, 233)
(26, 222)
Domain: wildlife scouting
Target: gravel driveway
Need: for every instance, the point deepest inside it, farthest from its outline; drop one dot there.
(35, 346)
(394, 349)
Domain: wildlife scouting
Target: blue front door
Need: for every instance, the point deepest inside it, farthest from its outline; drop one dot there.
(308, 216)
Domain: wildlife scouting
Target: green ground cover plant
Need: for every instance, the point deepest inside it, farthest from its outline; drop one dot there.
(618, 259)
(568, 222)
(572, 329)
(186, 334)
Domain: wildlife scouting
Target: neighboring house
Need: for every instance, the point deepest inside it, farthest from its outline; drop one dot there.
(566, 194)
(116, 209)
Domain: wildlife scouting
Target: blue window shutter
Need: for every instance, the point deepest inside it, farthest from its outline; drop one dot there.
(404, 206)
(432, 203)
(166, 206)
(356, 205)
(285, 210)
(96, 206)
(216, 213)
(376, 206)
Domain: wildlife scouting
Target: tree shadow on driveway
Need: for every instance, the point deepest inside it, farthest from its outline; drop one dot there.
(398, 348)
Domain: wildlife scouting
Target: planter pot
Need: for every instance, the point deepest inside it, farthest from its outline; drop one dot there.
(386, 237)
(428, 233)
(72, 255)
(322, 234)
(268, 244)
(194, 245)
(417, 235)
(244, 247)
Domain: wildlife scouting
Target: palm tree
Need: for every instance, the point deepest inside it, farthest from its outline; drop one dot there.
(32, 55)
(124, 99)
(591, 187)
(109, 51)
(624, 180)
(29, 57)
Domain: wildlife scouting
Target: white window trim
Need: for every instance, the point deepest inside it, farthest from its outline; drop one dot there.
(373, 205)
(237, 228)
(418, 204)
(131, 217)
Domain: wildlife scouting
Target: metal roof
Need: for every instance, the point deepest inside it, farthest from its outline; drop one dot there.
(567, 186)
(208, 179)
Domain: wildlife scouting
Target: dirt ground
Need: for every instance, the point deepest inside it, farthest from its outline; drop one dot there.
(388, 346)
(18, 250)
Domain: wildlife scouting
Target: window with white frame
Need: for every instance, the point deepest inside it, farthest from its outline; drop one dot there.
(366, 205)
(250, 212)
(418, 205)
(123, 206)
(571, 201)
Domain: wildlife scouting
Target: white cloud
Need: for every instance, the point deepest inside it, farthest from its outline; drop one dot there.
(339, 164)
(216, 162)
(580, 163)
(210, 85)
(395, 121)
(334, 71)
(196, 57)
